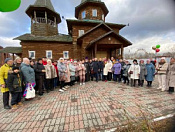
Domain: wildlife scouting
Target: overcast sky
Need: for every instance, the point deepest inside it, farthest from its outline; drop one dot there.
(151, 22)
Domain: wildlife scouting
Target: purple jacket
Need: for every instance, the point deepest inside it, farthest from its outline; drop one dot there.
(117, 68)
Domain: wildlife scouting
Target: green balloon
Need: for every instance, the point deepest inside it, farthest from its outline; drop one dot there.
(9, 5)
(157, 46)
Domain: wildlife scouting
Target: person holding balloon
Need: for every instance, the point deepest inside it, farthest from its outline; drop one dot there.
(162, 68)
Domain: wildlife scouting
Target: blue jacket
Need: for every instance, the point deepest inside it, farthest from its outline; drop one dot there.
(72, 69)
(28, 73)
(150, 72)
(117, 68)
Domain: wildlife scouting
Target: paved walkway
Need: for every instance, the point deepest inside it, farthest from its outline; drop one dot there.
(99, 106)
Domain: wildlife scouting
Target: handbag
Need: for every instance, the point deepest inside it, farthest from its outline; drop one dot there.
(131, 72)
(30, 92)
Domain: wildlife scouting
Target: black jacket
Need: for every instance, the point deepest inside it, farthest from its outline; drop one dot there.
(14, 82)
(101, 65)
(38, 70)
(95, 66)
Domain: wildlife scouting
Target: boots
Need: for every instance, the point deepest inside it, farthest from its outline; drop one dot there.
(171, 90)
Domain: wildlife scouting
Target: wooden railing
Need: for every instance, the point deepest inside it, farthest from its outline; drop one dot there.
(43, 20)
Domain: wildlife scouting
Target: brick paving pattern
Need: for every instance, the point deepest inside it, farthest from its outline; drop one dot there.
(94, 106)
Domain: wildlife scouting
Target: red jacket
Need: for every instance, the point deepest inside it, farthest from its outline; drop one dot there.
(44, 62)
(56, 69)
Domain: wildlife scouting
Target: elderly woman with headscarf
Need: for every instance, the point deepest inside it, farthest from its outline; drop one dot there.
(171, 75)
(125, 72)
(67, 81)
(81, 71)
(109, 70)
(50, 73)
(62, 73)
(143, 73)
(134, 71)
(72, 69)
(162, 74)
(150, 73)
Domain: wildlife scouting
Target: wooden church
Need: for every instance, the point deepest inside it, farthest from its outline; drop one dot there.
(89, 35)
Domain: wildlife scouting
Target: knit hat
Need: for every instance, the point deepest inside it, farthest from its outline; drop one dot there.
(15, 68)
(135, 60)
(61, 59)
(7, 59)
(49, 60)
(17, 58)
(71, 60)
(163, 58)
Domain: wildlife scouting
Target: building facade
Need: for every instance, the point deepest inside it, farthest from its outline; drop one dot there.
(89, 35)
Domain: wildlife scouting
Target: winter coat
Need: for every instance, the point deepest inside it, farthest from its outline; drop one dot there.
(56, 68)
(67, 74)
(171, 75)
(3, 77)
(110, 66)
(101, 65)
(125, 70)
(81, 70)
(95, 66)
(162, 68)
(62, 71)
(50, 71)
(150, 72)
(72, 69)
(143, 72)
(14, 82)
(117, 68)
(38, 70)
(28, 73)
(136, 71)
(106, 69)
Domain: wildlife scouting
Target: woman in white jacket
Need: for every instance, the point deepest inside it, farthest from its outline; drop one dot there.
(105, 70)
(134, 72)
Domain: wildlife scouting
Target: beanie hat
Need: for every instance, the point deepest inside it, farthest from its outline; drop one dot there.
(7, 59)
(163, 58)
(49, 60)
(135, 60)
(39, 59)
(15, 68)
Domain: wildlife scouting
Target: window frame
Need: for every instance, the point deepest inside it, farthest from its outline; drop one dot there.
(64, 52)
(47, 51)
(83, 14)
(80, 32)
(94, 12)
(30, 54)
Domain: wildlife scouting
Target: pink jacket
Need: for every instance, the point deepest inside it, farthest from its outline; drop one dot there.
(81, 70)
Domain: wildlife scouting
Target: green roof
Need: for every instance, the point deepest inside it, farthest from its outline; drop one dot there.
(55, 38)
(15, 50)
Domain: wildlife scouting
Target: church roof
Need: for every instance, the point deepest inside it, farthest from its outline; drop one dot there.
(43, 5)
(15, 50)
(90, 1)
(94, 22)
(121, 38)
(55, 38)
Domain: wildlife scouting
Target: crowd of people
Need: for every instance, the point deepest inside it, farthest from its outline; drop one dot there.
(46, 75)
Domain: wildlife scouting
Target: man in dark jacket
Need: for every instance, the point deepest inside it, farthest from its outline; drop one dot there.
(14, 83)
(39, 74)
(95, 66)
(101, 66)
(87, 75)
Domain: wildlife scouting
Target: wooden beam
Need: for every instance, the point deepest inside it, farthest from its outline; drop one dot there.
(122, 51)
(46, 16)
(95, 50)
(35, 16)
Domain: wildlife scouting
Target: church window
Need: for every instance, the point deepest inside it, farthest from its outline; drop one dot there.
(81, 32)
(94, 13)
(66, 54)
(84, 14)
(32, 54)
(49, 54)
